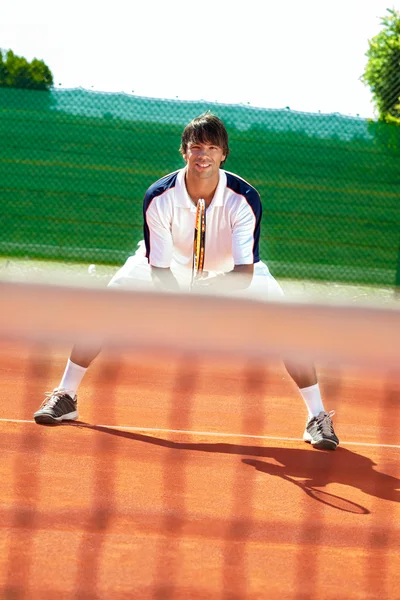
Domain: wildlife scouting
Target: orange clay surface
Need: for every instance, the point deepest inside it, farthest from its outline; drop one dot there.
(186, 478)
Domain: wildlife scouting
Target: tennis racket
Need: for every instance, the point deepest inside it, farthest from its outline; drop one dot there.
(199, 240)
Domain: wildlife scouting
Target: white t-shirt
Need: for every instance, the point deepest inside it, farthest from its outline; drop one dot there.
(232, 224)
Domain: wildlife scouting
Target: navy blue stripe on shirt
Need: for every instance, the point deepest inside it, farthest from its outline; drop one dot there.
(156, 189)
(252, 197)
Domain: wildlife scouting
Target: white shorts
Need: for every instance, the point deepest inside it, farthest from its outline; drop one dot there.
(136, 274)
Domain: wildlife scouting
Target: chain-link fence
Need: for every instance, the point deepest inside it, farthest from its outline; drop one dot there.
(74, 167)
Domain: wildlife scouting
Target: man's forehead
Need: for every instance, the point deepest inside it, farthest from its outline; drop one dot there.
(202, 142)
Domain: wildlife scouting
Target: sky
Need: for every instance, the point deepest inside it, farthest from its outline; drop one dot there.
(304, 54)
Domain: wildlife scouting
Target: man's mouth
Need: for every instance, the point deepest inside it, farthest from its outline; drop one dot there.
(203, 165)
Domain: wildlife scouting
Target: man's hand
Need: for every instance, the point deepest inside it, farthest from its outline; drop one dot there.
(208, 280)
(164, 279)
(237, 279)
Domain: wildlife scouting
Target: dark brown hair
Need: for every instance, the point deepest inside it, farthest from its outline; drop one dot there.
(207, 128)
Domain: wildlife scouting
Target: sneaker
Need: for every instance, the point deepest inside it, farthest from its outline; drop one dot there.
(57, 406)
(319, 432)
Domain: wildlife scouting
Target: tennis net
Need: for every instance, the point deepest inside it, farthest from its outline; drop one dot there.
(185, 475)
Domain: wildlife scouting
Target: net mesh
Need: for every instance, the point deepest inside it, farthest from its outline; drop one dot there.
(74, 166)
(186, 475)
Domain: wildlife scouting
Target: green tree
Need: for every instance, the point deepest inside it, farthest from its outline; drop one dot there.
(17, 72)
(382, 72)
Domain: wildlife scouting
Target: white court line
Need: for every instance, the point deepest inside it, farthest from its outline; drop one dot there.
(204, 433)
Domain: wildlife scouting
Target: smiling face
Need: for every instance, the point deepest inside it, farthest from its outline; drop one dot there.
(203, 159)
(205, 135)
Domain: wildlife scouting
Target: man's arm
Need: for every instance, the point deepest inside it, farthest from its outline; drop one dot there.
(164, 279)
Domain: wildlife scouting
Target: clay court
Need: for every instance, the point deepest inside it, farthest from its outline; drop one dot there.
(187, 479)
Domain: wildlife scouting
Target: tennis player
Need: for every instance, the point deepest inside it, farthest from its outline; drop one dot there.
(232, 260)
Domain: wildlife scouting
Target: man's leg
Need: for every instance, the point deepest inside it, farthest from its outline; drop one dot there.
(305, 377)
(80, 359)
(61, 404)
(319, 429)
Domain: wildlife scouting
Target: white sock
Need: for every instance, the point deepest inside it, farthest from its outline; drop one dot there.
(312, 398)
(72, 377)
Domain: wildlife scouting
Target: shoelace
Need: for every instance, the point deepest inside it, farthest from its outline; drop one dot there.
(51, 398)
(325, 422)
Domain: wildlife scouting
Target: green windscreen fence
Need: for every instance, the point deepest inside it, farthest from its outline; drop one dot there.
(75, 164)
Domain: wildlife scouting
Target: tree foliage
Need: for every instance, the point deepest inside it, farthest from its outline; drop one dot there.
(382, 72)
(17, 72)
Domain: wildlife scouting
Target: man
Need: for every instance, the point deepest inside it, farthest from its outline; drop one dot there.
(232, 260)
